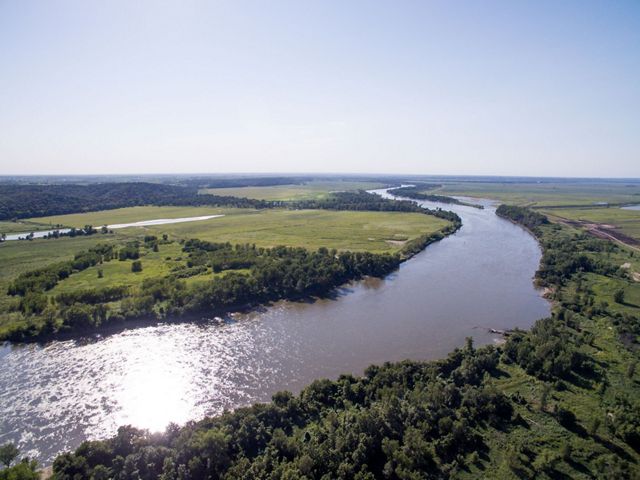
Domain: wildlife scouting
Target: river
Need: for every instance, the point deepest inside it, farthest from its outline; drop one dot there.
(54, 396)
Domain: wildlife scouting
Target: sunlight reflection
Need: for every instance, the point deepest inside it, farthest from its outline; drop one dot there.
(154, 391)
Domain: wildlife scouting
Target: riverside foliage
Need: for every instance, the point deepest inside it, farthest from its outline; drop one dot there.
(241, 275)
(559, 401)
(417, 193)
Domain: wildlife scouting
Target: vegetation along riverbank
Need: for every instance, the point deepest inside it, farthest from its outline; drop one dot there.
(421, 192)
(119, 279)
(558, 401)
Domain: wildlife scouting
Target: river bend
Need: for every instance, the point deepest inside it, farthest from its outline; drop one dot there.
(54, 396)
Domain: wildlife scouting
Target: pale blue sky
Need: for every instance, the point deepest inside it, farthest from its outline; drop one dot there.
(451, 87)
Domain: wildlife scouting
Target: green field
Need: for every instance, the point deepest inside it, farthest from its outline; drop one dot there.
(344, 230)
(625, 221)
(546, 194)
(22, 226)
(306, 191)
(130, 215)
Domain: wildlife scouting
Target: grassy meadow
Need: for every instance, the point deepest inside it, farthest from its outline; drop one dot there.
(22, 226)
(130, 215)
(626, 221)
(344, 230)
(306, 191)
(546, 194)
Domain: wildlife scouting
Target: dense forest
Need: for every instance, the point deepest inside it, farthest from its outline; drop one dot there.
(558, 401)
(523, 216)
(26, 201)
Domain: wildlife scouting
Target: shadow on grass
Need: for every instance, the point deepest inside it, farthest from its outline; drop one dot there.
(612, 447)
(579, 467)
(499, 373)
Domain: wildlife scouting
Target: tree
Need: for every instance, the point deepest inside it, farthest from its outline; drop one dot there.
(8, 453)
(618, 296)
(100, 273)
(136, 266)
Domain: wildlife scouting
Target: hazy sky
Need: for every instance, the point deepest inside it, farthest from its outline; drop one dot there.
(451, 87)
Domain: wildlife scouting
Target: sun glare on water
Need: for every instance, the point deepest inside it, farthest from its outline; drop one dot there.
(154, 391)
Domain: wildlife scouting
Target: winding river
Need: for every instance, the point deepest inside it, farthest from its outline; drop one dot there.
(54, 396)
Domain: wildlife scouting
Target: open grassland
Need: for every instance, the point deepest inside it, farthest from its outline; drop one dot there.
(625, 221)
(130, 215)
(306, 191)
(21, 226)
(344, 230)
(546, 194)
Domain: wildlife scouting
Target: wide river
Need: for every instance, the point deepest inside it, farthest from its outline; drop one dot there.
(54, 396)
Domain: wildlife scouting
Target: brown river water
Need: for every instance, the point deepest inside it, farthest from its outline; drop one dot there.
(56, 395)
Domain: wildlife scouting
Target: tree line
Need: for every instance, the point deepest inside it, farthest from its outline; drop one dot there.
(404, 420)
(26, 201)
(266, 274)
(417, 193)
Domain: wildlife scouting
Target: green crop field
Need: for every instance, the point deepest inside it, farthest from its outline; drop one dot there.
(306, 191)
